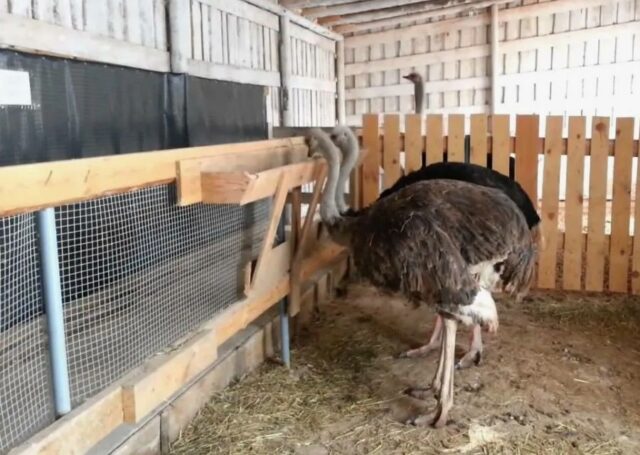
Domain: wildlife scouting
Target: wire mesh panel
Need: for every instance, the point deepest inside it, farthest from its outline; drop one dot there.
(139, 273)
(26, 404)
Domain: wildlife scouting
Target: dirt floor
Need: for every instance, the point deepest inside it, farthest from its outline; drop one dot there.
(562, 376)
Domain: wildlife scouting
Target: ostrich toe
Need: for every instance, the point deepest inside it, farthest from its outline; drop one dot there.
(474, 355)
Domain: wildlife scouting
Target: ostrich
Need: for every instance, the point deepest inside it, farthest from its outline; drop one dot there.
(418, 97)
(443, 241)
(346, 141)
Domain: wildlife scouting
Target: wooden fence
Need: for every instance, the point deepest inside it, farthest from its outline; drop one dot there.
(589, 241)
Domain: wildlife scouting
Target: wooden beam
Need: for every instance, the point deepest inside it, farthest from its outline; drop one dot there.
(406, 89)
(232, 73)
(405, 15)
(312, 3)
(434, 28)
(310, 37)
(29, 187)
(495, 59)
(312, 83)
(359, 7)
(340, 73)
(40, 37)
(189, 182)
(81, 429)
(165, 375)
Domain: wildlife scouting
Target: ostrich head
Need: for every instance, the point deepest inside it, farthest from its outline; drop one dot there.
(347, 142)
(418, 90)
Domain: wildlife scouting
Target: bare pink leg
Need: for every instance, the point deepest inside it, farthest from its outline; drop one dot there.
(434, 343)
(474, 354)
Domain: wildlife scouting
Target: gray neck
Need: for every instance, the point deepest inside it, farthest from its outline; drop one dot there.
(418, 95)
(350, 153)
(328, 208)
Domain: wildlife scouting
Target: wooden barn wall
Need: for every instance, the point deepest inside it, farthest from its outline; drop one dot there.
(235, 41)
(560, 57)
(240, 42)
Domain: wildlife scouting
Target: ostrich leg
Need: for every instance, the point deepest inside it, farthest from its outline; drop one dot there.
(434, 343)
(474, 354)
(444, 377)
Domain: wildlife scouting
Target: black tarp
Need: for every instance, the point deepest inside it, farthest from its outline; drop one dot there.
(82, 109)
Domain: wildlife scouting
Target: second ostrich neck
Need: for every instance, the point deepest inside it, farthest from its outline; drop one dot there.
(418, 95)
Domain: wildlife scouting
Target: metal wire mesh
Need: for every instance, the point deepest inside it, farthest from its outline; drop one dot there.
(26, 404)
(139, 273)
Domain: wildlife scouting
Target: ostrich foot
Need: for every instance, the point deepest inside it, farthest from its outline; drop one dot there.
(474, 355)
(434, 343)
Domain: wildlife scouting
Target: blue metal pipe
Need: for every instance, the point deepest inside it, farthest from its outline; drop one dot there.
(284, 333)
(50, 269)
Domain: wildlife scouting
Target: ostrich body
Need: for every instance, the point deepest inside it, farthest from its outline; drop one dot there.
(418, 97)
(442, 241)
(344, 138)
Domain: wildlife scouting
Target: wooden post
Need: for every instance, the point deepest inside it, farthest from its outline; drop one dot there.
(342, 112)
(180, 34)
(495, 54)
(286, 114)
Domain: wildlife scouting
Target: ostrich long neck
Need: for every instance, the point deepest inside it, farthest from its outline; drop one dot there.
(418, 95)
(328, 208)
(349, 159)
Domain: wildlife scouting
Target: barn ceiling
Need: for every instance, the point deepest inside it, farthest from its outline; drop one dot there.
(350, 16)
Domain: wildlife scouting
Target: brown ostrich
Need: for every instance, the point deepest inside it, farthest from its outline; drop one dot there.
(347, 142)
(444, 242)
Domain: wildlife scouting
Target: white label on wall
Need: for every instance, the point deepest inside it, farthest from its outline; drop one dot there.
(15, 89)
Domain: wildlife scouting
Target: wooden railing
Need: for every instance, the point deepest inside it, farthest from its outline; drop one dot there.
(581, 252)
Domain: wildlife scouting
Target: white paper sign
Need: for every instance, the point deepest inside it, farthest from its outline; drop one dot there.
(15, 89)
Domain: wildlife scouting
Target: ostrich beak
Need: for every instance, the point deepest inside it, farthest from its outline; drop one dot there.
(407, 77)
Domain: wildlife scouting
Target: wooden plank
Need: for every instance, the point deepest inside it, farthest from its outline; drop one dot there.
(572, 259)
(391, 150)
(160, 24)
(147, 23)
(479, 139)
(33, 186)
(233, 73)
(435, 139)
(196, 30)
(117, 27)
(620, 210)
(81, 429)
(43, 10)
(188, 182)
(217, 41)
(596, 246)
(245, 10)
(500, 143)
(206, 33)
(31, 35)
(413, 143)
(95, 19)
(404, 89)
(77, 14)
(553, 148)
(455, 138)
(635, 261)
(312, 83)
(371, 165)
(21, 8)
(163, 376)
(526, 147)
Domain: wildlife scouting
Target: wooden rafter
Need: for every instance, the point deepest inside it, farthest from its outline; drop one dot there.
(363, 7)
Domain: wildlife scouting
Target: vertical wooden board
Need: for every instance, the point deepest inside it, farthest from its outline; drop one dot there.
(21, 8)
(62, 13)
(377, 78)
(479, 139)
(43, 10)
(266, 48)
(527, 144)
(196, 30)
(160, 25)
(147, 23)
(435, 72)
(455, 138)
(232, 39)
(361, 80)
(96, 16)
(572, 259)
(596, 239)
(274, 50)
(500, 143)
(391, 150)
(413, 144)
(553, 145)
(224, 35)
(466, 66)
(635, 261)
(134, 27)
(391, 77)
(435, 139)
(405, 102)
(77, 14)
(620, 210)
(371, 164)
(116, 22)
(206, 32)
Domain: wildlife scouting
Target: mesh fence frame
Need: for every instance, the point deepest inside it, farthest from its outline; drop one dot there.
(139, 273)
(26, 403)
